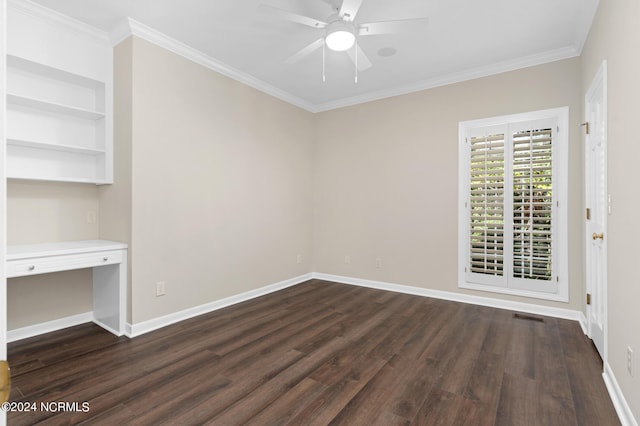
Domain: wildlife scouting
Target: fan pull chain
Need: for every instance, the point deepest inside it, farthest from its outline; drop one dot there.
(324, 77)
(356, 47)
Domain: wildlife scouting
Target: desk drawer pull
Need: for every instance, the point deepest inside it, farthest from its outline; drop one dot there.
(104, 259)
(32, 267)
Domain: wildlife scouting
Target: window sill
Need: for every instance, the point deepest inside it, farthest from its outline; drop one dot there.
(555, 297)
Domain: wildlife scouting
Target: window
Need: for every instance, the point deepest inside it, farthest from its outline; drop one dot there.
(513, 194)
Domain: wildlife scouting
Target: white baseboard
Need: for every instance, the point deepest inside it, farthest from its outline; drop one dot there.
(583, 323)
(106, 327)
(458, 297)
(49, 326)
(133, 330)
(619, 402)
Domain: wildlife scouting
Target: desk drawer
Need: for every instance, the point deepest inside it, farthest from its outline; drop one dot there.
(42, 265)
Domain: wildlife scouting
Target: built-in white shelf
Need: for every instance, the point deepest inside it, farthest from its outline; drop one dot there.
(55, 147)
(59, 112)
(54, 73)
(53, 107)
(68, 179)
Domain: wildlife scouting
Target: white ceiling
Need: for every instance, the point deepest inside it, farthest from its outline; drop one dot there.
(462, 39)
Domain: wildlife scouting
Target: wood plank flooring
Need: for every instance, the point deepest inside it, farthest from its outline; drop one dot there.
(315, 354)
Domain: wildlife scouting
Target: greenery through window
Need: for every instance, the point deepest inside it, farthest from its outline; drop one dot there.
(511, 226)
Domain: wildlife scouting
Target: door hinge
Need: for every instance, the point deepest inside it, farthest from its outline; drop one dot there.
(588, 298)
(588, 213)
(586, 127)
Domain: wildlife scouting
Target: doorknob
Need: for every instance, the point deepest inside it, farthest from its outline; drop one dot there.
(596, 236)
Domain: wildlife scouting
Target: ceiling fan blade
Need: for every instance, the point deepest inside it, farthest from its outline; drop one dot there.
(292, 17)
(363, 62)
(305, 51)
(349, 9)
(390, 27)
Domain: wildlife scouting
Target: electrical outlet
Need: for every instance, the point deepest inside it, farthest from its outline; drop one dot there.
(378, 263)
(160, 289)
(630, 360)
(347, 259)
(299, 259)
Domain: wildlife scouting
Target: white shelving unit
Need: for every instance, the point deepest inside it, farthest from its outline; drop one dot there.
(59, 98)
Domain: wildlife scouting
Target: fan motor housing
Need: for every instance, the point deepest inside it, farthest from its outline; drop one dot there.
(343, 30)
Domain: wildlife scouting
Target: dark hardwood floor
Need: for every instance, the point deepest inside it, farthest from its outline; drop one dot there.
(319, 353)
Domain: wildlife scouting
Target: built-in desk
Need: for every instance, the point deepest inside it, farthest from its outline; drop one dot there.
(108, 260)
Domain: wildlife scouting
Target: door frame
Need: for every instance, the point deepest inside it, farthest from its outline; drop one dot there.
(3, 189)
(600, 78)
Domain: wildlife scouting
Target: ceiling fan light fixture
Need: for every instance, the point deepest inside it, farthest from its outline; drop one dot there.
(340, 39)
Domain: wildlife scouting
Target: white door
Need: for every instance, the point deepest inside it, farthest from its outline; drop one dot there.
(3, 197)
(597, 203)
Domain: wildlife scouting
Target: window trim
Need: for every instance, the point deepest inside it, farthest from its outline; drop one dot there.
(560, 166)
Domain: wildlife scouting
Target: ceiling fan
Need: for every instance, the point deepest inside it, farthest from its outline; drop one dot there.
(341, 32)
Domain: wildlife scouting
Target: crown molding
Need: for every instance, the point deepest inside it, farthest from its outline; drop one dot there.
(30, 8)
(135, 28)
(131, 27)
(120, 32)
(444, 80)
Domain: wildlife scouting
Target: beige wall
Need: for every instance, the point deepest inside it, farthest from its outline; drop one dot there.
(220, 184)
(245, 226)
(211, 193)
(45, 212)
(615, 36)
(43, 298)
(386, 177)
(48, 211)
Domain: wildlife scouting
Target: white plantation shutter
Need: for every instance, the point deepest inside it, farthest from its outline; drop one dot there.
(509, 196)
(486, 204)
(532, 204)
